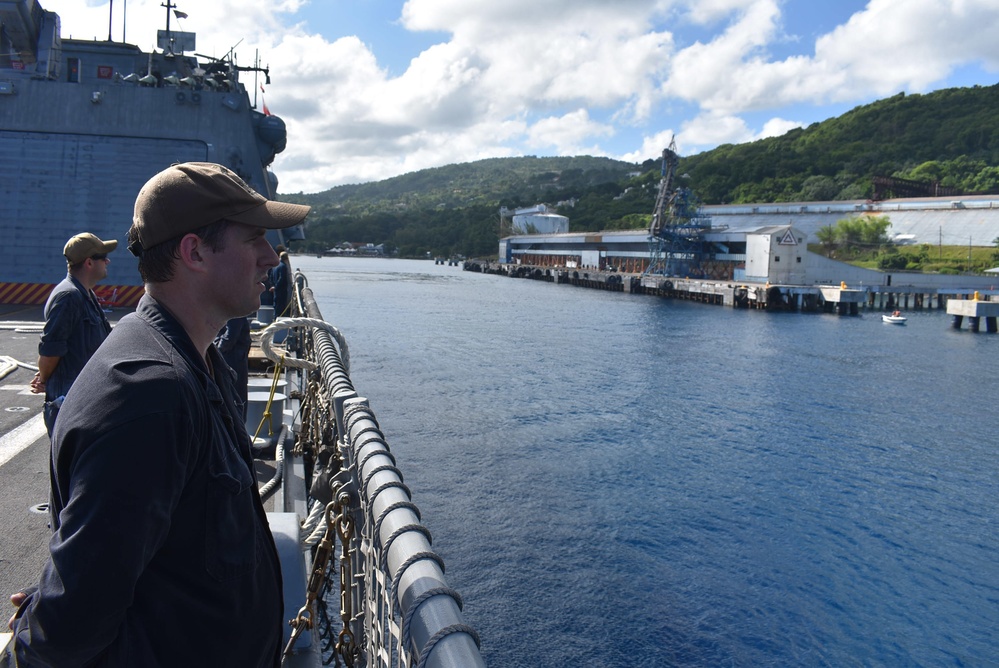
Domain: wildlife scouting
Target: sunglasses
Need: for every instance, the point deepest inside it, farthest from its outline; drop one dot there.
(99, 256)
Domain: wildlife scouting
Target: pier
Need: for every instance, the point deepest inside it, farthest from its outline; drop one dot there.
(974, 309)
(840, 299)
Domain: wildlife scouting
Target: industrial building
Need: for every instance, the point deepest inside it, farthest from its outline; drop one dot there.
(767, 243)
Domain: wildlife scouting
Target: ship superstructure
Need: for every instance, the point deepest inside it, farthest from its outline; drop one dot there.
(83, 124)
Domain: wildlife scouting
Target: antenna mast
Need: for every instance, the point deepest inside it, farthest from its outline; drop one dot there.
(168, 8)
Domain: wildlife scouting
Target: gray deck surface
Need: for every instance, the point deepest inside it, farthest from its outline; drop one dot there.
(24, 477)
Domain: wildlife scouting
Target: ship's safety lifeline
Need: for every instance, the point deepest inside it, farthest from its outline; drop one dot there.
(396, 607)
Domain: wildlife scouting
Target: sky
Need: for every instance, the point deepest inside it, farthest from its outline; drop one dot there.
(371, 89)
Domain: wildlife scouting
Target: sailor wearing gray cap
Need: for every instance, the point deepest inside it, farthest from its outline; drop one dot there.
(155, 510)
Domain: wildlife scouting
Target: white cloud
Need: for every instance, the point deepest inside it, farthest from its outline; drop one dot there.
(567, 133)
(891, 45)
(503, 63)
(776, 127)
(719, 74)
(707, 12)
(909, 44)
(712, 130)
(652, 146)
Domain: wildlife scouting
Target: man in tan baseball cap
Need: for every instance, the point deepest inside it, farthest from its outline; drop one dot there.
(187, 196)
(86, 245)
(185, 543)
(75, 324)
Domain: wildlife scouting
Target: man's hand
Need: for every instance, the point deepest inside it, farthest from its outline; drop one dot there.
(46, 367)
(16, 599)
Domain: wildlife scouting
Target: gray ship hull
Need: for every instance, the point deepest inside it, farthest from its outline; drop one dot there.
(84, 124)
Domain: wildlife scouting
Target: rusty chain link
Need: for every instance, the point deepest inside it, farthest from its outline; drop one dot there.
(339, 524)
(346, 645)
(324, 554)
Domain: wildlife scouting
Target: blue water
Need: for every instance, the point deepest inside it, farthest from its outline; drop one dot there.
(624, 481)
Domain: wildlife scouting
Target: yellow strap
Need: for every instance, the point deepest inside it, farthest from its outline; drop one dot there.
(270, 400)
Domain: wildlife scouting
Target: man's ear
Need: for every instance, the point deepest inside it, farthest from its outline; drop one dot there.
(191, 250)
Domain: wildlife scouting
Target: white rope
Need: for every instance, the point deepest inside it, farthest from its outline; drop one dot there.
(313, 519)
(267, 340)
(276, 479)
(22, 326)
(316, 527)
(7, 366)
(6, 361)
(310, 524)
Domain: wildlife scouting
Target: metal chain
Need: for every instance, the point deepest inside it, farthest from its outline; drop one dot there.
(316, 434)
(306, 441)
(346, 645)
(324, 554)
(315, 420)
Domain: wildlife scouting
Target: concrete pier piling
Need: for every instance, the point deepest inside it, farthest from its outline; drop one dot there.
(974, 310)
(843, 300)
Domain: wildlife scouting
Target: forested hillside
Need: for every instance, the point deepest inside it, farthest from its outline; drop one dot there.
(950, 137)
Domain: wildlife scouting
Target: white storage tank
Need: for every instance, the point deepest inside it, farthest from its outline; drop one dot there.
(540, 223)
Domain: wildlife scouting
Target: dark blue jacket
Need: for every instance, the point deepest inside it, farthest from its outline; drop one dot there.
(75, 327)
(281, 276)
(234, 343)
(161, 553)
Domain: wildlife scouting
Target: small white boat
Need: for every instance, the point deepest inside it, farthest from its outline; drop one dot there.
(896, 318)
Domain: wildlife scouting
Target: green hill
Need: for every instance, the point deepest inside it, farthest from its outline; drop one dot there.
(481, 182)
(950, 137)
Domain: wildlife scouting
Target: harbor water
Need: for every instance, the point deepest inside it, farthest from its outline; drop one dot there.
(625, 481)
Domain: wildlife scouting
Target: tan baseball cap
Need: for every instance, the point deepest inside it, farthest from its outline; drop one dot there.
(85, 245)
(190, 195)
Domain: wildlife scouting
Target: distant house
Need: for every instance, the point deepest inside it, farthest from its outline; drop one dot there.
(348, 248)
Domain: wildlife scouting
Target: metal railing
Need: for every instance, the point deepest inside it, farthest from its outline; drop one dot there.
(373, 557)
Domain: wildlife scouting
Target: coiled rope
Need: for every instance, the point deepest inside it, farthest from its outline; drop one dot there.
(267, 340)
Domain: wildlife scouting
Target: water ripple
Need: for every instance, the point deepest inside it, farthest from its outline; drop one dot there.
(625, 481)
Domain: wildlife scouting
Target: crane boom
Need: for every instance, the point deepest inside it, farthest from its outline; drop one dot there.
(676, 244)
(660, 213)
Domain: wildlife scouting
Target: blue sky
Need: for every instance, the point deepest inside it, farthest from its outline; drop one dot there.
(370, 89)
